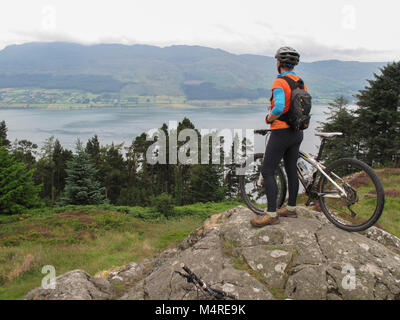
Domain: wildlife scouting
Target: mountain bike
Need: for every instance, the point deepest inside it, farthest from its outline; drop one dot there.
(349, 192)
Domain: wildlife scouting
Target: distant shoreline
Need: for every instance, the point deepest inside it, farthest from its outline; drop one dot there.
(189, 104)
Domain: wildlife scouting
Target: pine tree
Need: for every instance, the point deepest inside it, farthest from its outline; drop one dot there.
(378, 117)
(340, 119)
(81, 185)
(17, 189)
(231, 180)
(113, 168)
(205, 183)
(25, 151)
(51, 169)
(3, 135)
(183, 172)
(60, 158)
(206, 180)
(94, 150)
(46, 171)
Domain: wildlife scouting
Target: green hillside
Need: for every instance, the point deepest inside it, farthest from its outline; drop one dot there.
(88, 237)
(192, 72)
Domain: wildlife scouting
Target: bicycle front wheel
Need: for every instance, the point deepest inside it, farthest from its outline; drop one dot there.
(353, 197)
(252, 185)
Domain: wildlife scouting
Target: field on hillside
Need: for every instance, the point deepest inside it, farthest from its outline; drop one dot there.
(67, 99)
(88, 237)
(63, 99)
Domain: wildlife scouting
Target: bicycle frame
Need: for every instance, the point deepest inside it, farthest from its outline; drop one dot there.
(315, 164)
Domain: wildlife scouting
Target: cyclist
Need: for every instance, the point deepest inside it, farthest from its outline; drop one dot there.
(284, 142)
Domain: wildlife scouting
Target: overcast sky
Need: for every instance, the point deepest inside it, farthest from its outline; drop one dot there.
(363, 30)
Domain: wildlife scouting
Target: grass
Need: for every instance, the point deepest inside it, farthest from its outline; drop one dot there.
(390, 219)
(89, 238)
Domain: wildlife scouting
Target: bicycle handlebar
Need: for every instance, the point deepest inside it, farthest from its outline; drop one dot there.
(262, 132)
(191, 277)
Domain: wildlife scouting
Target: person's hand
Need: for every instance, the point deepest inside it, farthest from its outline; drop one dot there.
(271, 118)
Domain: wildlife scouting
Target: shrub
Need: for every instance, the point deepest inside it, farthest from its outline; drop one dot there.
(164, 204)
(17, 189)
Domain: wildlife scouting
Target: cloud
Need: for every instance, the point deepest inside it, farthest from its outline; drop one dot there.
(267, 40)
(312, 50)
(264, 41)
(43, 36)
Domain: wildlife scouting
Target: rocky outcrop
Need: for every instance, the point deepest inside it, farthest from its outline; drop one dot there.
(75, 285)
(300, 258)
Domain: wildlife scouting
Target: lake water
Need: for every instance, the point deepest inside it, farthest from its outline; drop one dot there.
(124, 124)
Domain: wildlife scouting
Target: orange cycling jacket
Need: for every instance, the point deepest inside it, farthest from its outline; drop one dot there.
(280, 83)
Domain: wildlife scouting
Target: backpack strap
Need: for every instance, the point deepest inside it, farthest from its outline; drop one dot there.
(292, 83)
(293, 86)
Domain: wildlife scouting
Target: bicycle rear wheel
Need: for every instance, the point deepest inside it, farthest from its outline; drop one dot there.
(363, 205)
(252, 186)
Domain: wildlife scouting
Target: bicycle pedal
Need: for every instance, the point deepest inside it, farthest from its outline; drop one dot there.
(309, 202)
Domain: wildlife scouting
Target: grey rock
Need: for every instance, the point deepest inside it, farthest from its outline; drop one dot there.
(303, 258)
(307, 283)
(271, 264)
(383, 237)
(205, 258)
(74, 285)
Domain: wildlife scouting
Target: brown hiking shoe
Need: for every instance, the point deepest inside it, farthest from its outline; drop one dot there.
(263, 220)
(284, 212)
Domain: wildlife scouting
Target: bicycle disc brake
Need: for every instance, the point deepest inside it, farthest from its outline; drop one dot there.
(351, 198)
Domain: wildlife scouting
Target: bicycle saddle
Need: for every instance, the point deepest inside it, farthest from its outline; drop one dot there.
(328, 134)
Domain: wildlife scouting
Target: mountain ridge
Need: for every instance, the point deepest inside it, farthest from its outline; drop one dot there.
(148, 70)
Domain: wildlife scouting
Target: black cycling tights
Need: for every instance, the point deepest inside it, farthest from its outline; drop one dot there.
(283, 143)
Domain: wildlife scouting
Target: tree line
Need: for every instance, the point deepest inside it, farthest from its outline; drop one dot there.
(86, 82)
(372, 129)
(95, 173)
